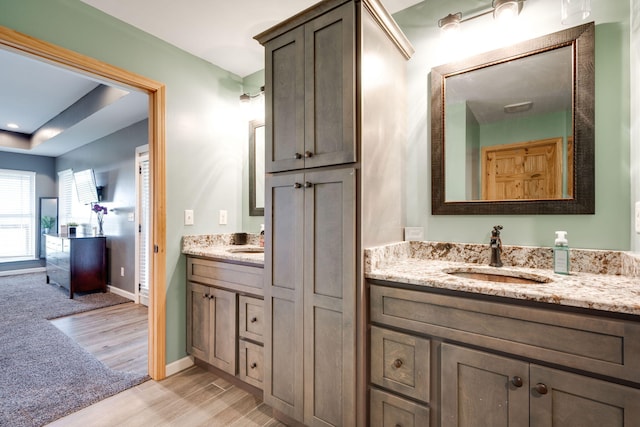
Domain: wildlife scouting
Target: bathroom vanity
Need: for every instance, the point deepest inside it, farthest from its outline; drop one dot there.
(225, 313)
(446, 349)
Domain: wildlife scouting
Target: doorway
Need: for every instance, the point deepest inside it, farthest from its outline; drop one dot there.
(44, 51)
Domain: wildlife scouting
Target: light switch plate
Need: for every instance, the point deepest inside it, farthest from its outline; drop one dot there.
(188, 217)
(223, 217)
(413, 234)
(638, 217)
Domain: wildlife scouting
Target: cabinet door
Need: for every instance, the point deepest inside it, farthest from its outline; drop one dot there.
(563, 399)
(222, 341)
(283, 294)
(198, 318)
(329, 297)
(329, 67)
(481, 389)
(284, 98)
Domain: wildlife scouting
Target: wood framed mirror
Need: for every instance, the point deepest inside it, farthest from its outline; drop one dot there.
(512, 130)
(256, 168)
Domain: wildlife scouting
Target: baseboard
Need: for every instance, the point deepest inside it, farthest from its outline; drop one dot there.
(121, 292)
(178, 365)
(23, 271)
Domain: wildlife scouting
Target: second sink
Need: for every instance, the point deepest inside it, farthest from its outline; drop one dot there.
(506, 277)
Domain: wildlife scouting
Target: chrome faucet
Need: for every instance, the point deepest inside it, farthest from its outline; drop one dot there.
(496, 247)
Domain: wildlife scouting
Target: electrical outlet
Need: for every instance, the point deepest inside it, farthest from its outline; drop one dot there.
(188, 217)
(638, 217)
(413, 234)
(223, 217)
(122, 271)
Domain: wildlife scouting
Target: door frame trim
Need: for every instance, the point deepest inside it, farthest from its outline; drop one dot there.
(44, 51)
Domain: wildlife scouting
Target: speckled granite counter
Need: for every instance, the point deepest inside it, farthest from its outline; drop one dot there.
(220, 247)
(615, 288)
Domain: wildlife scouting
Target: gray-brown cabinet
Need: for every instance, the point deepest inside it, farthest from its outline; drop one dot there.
(334, 144)
(212, 326)
(499, 364)
(310, 72)
(225, 317)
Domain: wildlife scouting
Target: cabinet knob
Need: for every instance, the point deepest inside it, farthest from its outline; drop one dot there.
(254, 319)
(205, 296)
(308, 154)
(397, 363)
(307, 184)
(298, 156)
(297, 185)
(212, 297)
(398, 425)
(542, 388)
(517, 381)
(254, 365)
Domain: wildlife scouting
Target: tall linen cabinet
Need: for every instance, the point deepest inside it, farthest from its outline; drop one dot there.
(335, 140)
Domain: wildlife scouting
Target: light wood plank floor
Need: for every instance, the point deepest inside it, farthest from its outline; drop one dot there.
(116, 335)
(194, 397)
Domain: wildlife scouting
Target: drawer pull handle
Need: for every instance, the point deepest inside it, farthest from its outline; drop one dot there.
(542, 388)
(298, 156)
(254, 365)
(308, 154)
(254, 319)
(517, 381)
(397, 363)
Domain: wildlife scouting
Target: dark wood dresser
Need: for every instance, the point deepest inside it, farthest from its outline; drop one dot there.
(77, 263)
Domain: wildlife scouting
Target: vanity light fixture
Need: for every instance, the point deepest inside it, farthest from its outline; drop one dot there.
(501, 9)
(506, 9)
(13, 126)
(246, 97)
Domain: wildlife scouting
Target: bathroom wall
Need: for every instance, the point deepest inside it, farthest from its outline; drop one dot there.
(610, 227)
(204, 131)
(251, 85)
(635, 119)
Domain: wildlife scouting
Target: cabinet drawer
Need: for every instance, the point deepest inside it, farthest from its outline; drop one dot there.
(400, 362)
(242, 278)
(251, 363)
(251, 318)
(593, 343)
(388, 410)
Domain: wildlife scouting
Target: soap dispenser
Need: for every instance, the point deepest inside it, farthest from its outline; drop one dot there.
(261, 241)
(561, 253)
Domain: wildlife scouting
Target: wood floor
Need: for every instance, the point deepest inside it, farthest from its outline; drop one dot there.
(194, 397)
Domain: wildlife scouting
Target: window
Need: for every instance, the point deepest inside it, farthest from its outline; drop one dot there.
(17, 215)
(65, 195)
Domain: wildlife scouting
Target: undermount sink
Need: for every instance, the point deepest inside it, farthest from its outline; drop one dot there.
(500, 277)
(246, 249)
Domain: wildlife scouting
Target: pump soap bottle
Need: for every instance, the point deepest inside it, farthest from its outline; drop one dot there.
(561, 253)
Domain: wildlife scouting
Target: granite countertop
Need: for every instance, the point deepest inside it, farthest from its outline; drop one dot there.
(220, 247)
(609, 292)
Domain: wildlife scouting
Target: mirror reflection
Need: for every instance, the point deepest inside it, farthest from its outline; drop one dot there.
(512, 130)
(256, 168)
(508, 130)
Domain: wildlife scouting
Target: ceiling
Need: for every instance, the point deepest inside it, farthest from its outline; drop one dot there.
(33, 93)
(219, 31)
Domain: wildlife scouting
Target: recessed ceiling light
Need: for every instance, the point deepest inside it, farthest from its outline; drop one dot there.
(519, 107)
(13, 126)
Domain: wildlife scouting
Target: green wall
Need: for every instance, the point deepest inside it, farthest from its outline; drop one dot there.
(204, 129)
(610, 227)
